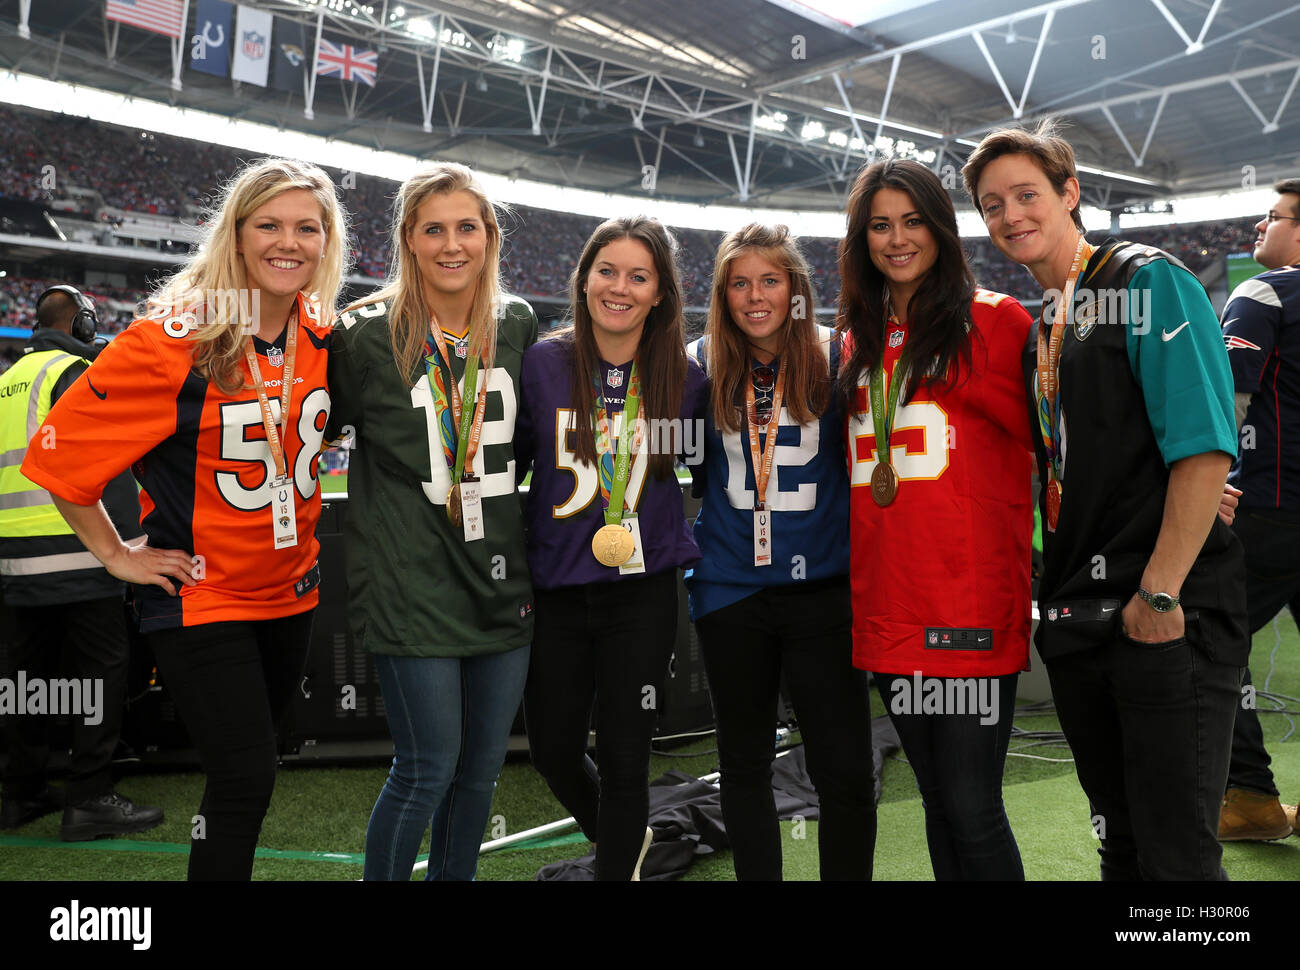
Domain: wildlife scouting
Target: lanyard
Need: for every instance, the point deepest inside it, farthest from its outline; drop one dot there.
(762, 462)
(621, 448)
(1049, 363)
(883, 419)
(273, 436)
(471, 424)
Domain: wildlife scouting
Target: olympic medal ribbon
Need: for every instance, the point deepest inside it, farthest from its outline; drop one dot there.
(1048, 389)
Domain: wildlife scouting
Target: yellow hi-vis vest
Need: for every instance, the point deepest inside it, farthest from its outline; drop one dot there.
(26, 509)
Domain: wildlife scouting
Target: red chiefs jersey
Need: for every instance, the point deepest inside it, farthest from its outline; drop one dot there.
(203, 462)
(941, 575)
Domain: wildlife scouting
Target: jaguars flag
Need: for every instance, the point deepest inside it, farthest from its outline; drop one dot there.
(252, 46)
(289, 55)
(210, 44)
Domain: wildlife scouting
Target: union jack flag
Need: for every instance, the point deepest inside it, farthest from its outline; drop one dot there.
(347, 63)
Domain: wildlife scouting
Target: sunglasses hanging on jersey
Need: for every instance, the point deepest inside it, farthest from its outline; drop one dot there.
(764, 380)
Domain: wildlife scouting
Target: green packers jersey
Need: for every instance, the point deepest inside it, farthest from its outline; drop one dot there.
(416, 587)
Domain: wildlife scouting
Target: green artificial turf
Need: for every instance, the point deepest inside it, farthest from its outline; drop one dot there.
(319, 810)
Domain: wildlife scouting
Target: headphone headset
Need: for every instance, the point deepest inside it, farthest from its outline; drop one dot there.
(85, 323)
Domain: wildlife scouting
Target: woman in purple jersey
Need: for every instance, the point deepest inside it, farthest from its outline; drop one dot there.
(762, 612)
(606, 533)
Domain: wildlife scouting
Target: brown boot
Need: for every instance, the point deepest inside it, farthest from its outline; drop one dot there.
(1249, 816)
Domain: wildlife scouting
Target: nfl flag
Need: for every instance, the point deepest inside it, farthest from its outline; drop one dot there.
(210, 47)
(159, 16)
(252, 46)
(347, 63)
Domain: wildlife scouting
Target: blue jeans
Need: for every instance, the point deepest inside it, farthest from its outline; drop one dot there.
(450, 719)
(958, 764)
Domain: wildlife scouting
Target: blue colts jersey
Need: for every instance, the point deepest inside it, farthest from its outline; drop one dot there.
(807, 493)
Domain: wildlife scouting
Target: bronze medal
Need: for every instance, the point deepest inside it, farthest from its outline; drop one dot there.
(884, 483)
(1053, 504)
(612, 545)
(453, 505)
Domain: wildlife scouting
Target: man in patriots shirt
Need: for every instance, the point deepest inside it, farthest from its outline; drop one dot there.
(1261, 328)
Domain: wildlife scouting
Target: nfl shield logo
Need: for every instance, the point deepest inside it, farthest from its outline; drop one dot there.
(614, 378)
(254, 45)
(1051, 614)
(896, 338)
(934, 639)
(462, 348)
(275, 357)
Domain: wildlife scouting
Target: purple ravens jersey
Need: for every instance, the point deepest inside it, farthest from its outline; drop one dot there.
(1261, 328)
(808, 493)
(565, 506)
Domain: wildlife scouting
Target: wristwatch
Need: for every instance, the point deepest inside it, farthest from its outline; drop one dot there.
(1160, 602)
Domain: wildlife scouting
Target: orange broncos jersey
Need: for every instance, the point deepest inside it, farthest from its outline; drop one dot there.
(203, 462)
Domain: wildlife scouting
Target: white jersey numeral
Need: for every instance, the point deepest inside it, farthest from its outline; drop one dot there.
(586, 481)
(495, 432)
(238, 420)
(802, 499)
(920, 443)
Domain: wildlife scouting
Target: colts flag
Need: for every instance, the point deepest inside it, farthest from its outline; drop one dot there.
(160, 16)
(210, 47)
(252, 46)
(346, 63)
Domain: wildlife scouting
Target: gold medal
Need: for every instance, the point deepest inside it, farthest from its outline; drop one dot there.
(884, 483)
(612, 545)
(453, 505)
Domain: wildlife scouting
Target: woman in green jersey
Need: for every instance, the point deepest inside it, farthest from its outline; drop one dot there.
(425, 373)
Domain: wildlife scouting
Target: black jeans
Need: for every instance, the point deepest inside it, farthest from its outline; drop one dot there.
(1150, 726)
(232, 683)
(91, 637)
(958, 763)
(804, 632)
(607, 645)
(1272, 541)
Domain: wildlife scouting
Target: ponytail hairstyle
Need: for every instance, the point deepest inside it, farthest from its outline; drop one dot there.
(939, 324)
(409, 313)
(808, 380)
(661, 353)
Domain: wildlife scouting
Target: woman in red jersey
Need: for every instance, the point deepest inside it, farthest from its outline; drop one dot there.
(941, 520)
(217, 398)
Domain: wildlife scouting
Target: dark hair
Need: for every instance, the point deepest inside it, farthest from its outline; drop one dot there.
(1289, 187)
(939, 313)
(661, 353)
(807, 385)
(1044, 145)
(56, 310)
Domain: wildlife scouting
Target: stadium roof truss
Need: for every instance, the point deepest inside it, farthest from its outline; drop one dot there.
(761, 102)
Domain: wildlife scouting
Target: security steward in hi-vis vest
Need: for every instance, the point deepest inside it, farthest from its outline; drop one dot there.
(60, 601)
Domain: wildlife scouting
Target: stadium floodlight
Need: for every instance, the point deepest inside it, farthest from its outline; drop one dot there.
(812, 130)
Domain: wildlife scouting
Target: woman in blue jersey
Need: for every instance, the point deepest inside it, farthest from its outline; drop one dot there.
(771, 595)
(606, 533)
(426, 373)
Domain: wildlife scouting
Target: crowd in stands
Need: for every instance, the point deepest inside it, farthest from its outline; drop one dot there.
(159, 174)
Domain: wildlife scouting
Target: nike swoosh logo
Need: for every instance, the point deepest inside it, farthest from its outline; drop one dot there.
(1104, 610)
(99, 394)
(981, 639)
(1170, 336)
